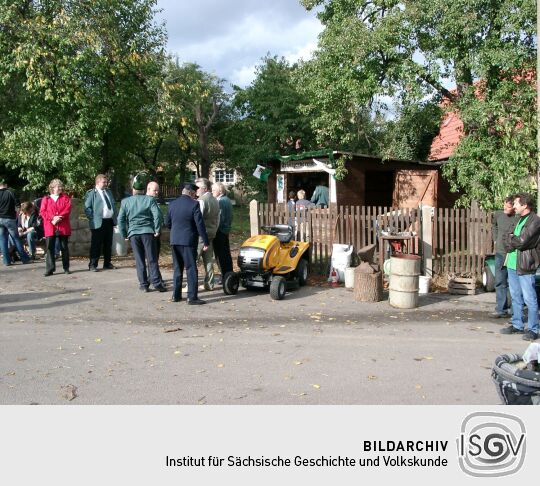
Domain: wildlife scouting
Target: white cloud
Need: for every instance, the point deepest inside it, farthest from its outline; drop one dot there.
(231, 42)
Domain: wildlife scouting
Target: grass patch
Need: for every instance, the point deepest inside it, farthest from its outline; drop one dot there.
(240, 230)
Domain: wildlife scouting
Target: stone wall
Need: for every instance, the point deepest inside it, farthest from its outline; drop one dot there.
(79, 242)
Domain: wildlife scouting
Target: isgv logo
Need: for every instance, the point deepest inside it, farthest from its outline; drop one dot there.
(491, 444)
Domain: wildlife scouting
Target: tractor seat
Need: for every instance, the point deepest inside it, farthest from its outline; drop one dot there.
(283, 232)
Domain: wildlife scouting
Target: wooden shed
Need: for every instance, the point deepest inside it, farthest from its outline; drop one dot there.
(369, 181)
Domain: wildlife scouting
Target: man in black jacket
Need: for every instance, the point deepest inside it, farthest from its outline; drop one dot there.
(8, 225)
(522, 261)
(184, 219)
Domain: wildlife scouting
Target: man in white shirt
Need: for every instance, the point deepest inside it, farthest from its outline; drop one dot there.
(101, 211)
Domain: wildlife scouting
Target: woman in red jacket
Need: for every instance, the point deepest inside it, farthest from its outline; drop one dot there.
(55, 210)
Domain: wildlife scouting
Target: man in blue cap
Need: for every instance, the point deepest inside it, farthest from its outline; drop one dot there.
(185, 221)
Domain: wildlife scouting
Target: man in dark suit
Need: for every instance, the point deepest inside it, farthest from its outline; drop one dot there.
(102, 215)
(185, 221)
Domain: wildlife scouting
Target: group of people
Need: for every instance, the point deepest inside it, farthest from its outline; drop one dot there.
(47, 217)
(200, 221)
(516, 232)
(319, 199)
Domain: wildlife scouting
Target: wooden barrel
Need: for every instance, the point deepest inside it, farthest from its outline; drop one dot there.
(404, 273)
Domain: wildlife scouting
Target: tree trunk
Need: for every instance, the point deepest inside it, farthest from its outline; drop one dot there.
(205, 161)
(368, 287)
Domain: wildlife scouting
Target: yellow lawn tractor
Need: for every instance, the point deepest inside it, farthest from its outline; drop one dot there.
(270, 261)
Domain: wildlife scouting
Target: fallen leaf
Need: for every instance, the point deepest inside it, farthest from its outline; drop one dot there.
(177, 352)
(298, 363)
(98, 340)
(220, 365)
(173, 330)
(316, 386)
(372, 377)
(69, 392)
(418, 387)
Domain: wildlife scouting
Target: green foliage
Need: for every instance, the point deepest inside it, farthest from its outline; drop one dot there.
(80, 79)
(266, 120)
(498, 155)
(192, 112)
(341, 170)
(409, 136)
(372, 50)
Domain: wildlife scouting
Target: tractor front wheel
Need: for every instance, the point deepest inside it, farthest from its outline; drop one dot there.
(231, 283)
(278, 288)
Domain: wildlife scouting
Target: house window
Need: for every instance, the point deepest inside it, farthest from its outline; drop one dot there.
(223, 175)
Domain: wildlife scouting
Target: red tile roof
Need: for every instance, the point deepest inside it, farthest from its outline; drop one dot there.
(450, 133)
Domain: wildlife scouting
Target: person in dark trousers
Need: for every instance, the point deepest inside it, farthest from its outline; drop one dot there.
(102, 215)
(152, 190)
(503, 222)
(184, 219)
(55, 211)
(522, 261)
(210, 213)
(222, 247)
(139, 220)
(8, 225)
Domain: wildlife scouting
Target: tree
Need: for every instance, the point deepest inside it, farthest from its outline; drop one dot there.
(411, 51)
(266, 119)
(198, 102)
(84, 76)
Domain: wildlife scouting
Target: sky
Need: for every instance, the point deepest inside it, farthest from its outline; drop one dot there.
(229, 38)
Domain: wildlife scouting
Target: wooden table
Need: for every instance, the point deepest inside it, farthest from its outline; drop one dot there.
(407, 244)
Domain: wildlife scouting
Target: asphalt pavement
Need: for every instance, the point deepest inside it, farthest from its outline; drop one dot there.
(94, 338)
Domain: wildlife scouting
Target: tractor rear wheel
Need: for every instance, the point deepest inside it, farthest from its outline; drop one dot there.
(302, 271)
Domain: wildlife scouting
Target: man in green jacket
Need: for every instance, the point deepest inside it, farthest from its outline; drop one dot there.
(139, 220)
(321, 195)
(101, 212)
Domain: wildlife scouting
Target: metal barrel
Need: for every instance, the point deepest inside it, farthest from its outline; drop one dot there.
(404, 273)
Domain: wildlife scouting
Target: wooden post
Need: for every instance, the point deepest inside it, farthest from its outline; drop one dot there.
(254, 217)
(427, 240)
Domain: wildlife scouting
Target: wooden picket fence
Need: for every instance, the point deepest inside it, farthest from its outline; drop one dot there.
(461, 240)
(355, 225)
(460, 237)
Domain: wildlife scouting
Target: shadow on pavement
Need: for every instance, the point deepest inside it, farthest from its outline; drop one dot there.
(47, 305)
